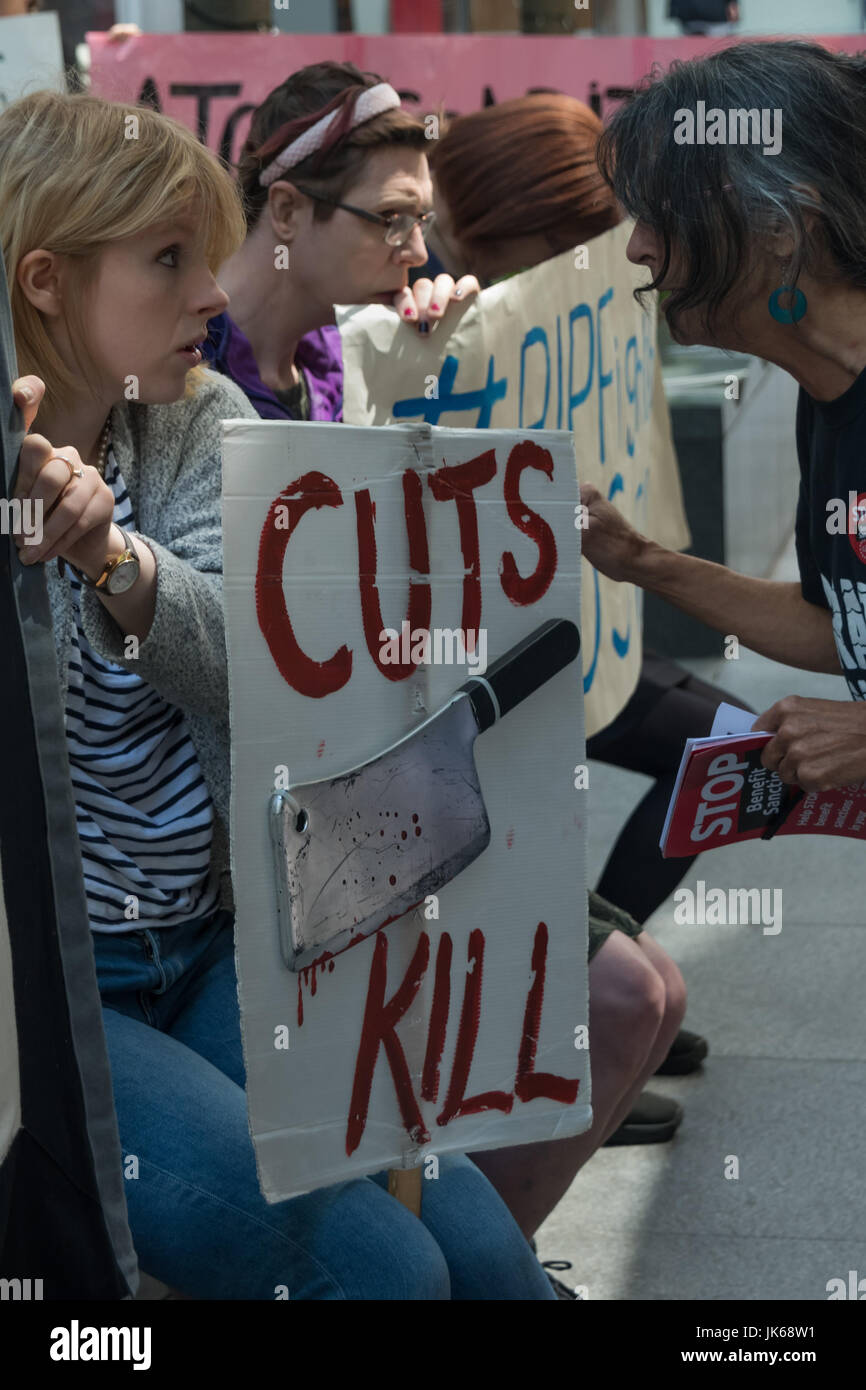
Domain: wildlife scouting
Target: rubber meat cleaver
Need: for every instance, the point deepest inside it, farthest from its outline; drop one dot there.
(356, 851)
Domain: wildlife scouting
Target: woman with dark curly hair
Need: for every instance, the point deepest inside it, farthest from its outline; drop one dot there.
(765, 253)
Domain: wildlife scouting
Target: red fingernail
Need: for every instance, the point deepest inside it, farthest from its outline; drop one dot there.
(408, 313)
(434, 306)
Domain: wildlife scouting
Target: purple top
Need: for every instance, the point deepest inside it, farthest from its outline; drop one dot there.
(227, 350)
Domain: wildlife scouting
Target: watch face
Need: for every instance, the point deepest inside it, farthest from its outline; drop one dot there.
(123, 576)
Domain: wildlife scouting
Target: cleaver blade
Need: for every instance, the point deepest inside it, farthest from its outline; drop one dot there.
(355, 851)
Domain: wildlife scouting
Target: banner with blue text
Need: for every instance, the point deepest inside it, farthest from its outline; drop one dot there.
(564, 345)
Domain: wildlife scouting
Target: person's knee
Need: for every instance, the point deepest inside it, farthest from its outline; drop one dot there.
(391, 1264)
(375, 1249)
(675, 992)
(488, 1256)
(676, 997)
(627, 1001)
(421, 1276)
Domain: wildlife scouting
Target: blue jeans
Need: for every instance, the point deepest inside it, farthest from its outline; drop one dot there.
(198, 1219)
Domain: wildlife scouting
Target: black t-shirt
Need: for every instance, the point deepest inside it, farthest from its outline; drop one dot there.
(707, 11)
(296, 399)
(831, 519)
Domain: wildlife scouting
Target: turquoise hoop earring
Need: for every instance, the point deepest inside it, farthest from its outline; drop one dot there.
(797, 310)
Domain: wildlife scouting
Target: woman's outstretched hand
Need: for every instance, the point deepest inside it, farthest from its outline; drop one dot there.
(607, 540)
(423, 304)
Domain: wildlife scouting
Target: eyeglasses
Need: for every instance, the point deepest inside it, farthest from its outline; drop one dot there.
(399, 226)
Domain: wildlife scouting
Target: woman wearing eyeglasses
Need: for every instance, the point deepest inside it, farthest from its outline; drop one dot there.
(338, 199)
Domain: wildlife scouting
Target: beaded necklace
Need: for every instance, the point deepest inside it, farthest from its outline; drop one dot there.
(101, 460)
(104, 441)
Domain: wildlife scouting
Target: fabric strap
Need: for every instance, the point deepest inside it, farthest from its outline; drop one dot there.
(372, 102)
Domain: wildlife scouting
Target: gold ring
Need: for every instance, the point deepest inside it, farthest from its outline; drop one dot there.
(75, 469)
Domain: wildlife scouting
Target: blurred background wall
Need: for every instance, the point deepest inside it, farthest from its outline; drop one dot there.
(450, 16)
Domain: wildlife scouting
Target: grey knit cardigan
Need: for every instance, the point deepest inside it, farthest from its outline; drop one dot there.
(169, 456)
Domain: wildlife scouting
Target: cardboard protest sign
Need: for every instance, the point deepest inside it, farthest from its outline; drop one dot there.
(461, 1025)
(563, 346)
(31, 56)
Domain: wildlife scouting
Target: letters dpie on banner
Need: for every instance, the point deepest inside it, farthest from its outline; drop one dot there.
(453, 1028)
(562, 346)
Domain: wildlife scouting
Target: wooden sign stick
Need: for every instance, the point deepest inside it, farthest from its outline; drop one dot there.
(405, 1185)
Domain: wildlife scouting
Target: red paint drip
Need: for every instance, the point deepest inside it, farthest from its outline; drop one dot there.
(470, 1018)
(379, 1029)
(529, 1083)
(325, 958)
(307, 976)
(529, 590)
(438, 1020)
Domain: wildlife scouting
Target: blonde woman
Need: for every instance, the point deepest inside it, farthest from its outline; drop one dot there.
(114, 220)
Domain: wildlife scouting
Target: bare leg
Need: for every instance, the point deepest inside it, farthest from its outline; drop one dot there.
(632, 1022)
(675, 995)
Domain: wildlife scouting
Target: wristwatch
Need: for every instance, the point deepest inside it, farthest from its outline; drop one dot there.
(119, 572)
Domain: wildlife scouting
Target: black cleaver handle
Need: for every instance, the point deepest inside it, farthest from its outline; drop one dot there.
(522, 670)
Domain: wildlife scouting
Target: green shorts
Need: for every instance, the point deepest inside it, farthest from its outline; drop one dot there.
(604, 918)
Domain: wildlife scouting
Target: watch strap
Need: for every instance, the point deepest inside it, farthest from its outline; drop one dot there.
(129, 552)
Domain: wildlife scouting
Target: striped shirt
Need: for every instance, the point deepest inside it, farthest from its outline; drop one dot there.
(144, 813)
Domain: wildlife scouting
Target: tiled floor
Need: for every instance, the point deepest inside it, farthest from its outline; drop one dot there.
(783, 1090)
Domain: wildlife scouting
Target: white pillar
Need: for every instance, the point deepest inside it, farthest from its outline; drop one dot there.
(371, 16)
(626, 17)
(300, 17)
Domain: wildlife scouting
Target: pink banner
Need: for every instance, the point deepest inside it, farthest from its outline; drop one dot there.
(212, 82)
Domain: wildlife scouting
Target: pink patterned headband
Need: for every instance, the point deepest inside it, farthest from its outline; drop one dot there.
(372, 102)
